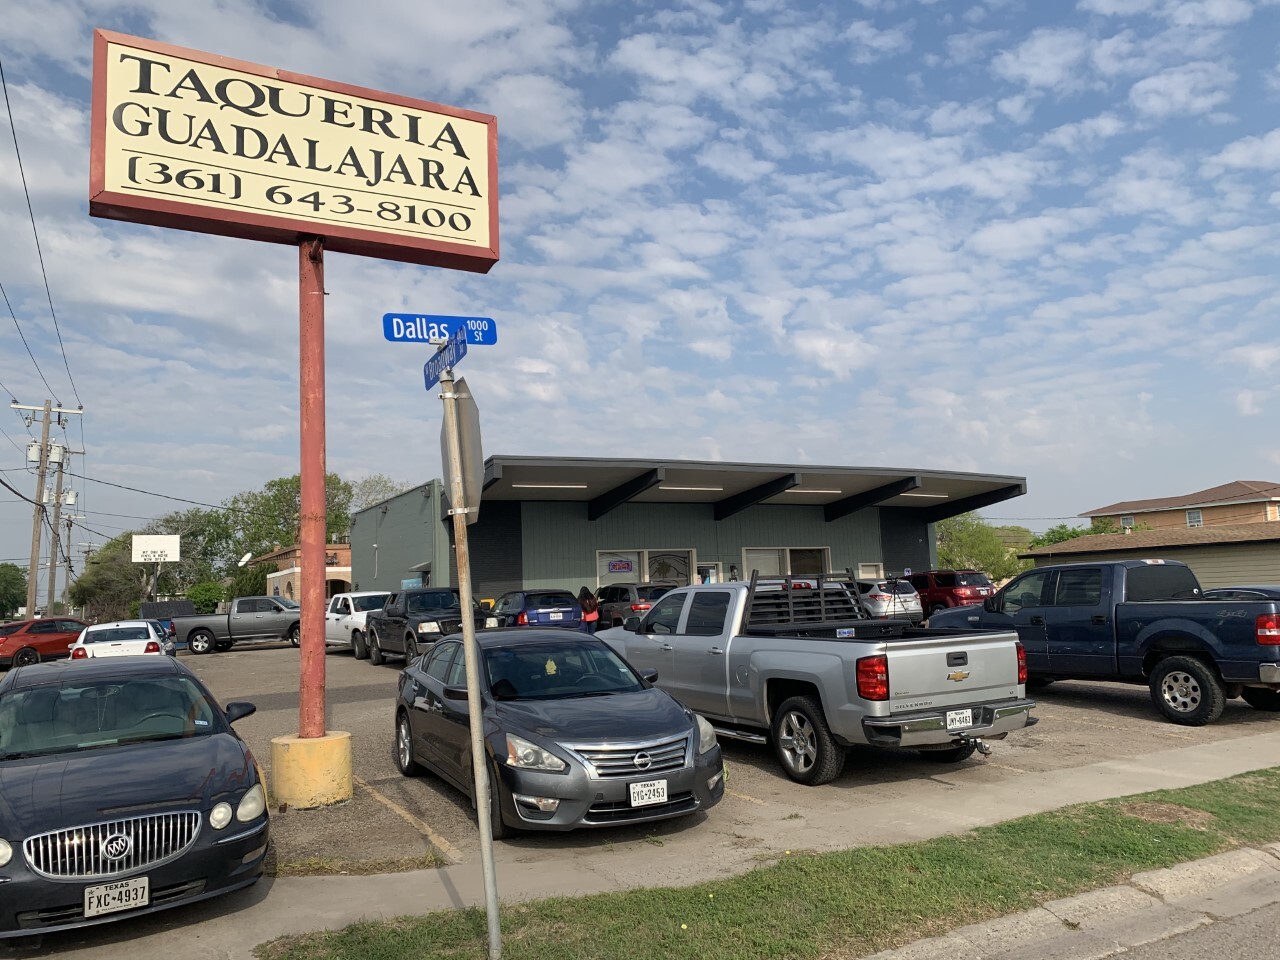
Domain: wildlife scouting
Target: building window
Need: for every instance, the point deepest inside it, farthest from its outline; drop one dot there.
(786, 561)
(1273, 511)
(1126, 523)
(641, 566)
(1194, 518)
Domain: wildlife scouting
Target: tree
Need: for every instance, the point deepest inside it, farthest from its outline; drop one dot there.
(13, 588)
(262, 520)
(1060, 533)
(250, 581)
(206, 596)
(375, 489)
(968, 542)
(111, 583)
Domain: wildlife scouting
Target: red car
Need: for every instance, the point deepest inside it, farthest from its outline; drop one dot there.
(29, 641)
(940, 589)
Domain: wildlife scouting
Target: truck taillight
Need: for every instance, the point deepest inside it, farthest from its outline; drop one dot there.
(873, 677)
(1268, 626)
(152, 647)
(1022, 663)
(963, 591)
(523, 619)
(79, 653)
(640, 607)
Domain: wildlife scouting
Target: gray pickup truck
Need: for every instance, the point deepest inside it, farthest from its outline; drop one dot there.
(249, 619)
(800, 664)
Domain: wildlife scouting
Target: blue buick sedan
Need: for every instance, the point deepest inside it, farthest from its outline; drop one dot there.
(123, 791)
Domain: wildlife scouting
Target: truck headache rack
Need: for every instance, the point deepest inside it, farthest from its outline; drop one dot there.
(818, 605)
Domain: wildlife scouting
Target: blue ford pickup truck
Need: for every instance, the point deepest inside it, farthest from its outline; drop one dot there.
(1138, 621)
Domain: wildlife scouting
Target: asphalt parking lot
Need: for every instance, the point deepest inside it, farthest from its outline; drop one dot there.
(394, 822)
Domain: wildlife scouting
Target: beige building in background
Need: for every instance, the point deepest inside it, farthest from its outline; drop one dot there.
(1235, 503)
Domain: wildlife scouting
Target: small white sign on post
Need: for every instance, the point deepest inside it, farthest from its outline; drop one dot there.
(156, 548)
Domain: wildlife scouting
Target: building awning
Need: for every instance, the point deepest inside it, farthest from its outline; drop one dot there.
(731, 487)
(424, 567)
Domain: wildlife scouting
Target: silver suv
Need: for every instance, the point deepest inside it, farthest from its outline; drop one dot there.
(618, 601)
(891, 599)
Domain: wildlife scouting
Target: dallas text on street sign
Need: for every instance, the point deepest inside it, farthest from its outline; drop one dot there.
(423, 328)
(446, 357)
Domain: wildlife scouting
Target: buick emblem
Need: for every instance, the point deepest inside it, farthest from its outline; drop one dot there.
(642, 761)
(116, 846)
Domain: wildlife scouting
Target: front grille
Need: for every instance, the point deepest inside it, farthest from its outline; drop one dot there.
(619, 760)
(94, 851)
(621, 811)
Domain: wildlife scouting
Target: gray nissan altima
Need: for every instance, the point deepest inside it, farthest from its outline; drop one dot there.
(574, 736)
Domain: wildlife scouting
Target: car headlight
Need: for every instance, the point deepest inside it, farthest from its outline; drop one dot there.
(6, 852)
(706, 734)
(220, 815)
(529, 756)
(431, 627)
(252, 804)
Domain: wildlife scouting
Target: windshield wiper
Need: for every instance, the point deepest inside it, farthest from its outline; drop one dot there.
(594, 693)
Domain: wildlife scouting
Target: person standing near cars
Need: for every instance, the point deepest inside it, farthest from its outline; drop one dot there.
(590, 611)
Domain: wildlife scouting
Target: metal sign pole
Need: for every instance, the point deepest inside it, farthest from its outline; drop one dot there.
(471, 652)
(311, 522)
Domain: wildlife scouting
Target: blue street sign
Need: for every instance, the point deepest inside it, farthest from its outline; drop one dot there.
(446, 357)
(423, 328)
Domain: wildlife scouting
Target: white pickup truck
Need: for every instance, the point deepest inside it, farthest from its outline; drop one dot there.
(799, 663)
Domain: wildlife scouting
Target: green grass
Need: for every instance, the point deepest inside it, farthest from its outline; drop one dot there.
(328, 866)
(844, 904)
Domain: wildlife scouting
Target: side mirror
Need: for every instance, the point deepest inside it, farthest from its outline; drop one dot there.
(238, 710)
(650, 675)
(455, 693)
(991, 604)
(631, 624)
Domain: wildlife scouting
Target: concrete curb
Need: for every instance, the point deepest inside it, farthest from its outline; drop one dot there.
(1152, 906)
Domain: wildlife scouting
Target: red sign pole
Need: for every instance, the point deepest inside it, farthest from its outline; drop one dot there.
(311, 522)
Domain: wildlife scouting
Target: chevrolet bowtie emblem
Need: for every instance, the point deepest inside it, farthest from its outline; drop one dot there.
(958, 675)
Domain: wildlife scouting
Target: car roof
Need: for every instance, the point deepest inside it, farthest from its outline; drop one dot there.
(103, 668)
(1260, 587)
(119, 623)
(363, 593)
(519, 636)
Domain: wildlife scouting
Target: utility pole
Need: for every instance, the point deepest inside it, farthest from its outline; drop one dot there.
(58, 454)
(33, 568)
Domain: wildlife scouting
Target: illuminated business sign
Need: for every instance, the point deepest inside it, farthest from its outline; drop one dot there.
(156, 548)
(201, 142)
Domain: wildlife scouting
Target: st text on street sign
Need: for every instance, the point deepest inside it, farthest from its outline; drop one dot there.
(188, 139)
(472, 455)
(423, 328)
(446, 358)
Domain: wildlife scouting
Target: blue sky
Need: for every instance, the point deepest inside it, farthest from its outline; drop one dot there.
(1026, 238)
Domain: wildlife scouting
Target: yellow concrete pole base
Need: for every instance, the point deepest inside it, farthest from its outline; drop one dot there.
(310, 773)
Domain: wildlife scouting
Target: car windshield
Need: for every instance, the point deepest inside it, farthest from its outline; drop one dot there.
(90, 714)
(365, 604)
(557, 670)
(551, 599)
(972, 580)
(433, 600)
(116, 634)
(287, 603)
(652, 593)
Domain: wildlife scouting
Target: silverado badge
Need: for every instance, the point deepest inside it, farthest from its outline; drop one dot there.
(958, 675)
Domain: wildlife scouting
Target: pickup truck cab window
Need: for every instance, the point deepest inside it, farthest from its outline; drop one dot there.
(1027, 591)
(707, 613)
(1079, 588)
(1159, 581)
(665, 615)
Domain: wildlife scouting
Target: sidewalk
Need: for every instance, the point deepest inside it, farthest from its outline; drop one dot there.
(228, 928)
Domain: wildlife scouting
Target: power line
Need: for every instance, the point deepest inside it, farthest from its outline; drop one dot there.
(52, 392)
(13, 128)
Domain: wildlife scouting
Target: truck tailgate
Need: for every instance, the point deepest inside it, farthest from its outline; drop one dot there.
(955, 670)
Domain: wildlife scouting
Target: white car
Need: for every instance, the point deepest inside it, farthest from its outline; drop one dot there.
(121, 638)
(892, 599)
(344, 620)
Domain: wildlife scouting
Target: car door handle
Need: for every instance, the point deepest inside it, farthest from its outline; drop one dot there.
(716, 652)
(1099, 619)
(1037, 621)
(436, 707)
(666, 648)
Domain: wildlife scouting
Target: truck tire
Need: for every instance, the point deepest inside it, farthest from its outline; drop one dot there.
(358, 646)
(410, 647)
(950, 755)
(375, 651)
(222, 646)
(295, 635)
(1262, 699)
(1187, 691)
(201, 641)
(803, 742)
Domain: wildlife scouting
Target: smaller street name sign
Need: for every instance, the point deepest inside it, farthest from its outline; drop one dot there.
(446, 357)
(423, 328)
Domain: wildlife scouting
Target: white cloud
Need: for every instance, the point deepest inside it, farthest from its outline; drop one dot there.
(870, 44)
(952, 117)
(1248, 153)
(1249, 402)
(1122, 8)
(1049, 59)
(1192, 88)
